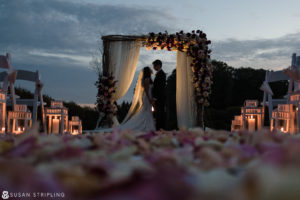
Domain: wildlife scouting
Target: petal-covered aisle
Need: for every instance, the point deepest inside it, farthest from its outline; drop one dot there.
(155, 165)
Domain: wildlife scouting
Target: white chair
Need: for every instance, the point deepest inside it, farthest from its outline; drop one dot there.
(267, 98)
(38, 96)
(7, 77)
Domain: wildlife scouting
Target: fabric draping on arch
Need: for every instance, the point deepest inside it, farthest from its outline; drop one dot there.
(137, 101)
(120, 60)
(185, 92)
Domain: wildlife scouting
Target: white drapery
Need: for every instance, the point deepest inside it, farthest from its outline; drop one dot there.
(137, 101)
(120, 61)
(123, 59)
(185, 92)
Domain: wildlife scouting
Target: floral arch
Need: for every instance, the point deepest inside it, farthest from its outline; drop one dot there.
(193, 79)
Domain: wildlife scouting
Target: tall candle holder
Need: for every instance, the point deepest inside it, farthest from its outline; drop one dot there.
(75, 126)
(57, 118)
(251, 118)
(284, 118)
(19, 120)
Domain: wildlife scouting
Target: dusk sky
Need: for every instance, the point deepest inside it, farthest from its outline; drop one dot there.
(60, 37)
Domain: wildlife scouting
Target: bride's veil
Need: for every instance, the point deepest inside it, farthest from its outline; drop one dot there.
(137, 100)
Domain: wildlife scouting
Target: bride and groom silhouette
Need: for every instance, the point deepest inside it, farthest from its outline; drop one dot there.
(147, 94)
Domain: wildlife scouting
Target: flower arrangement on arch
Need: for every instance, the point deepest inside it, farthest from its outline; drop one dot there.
(106, 88)
(196, 46)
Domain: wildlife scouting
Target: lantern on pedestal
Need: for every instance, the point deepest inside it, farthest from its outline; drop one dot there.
(57, 118)
(252, 115)
(2, 110)
(251, 119)
(75, 126)
(284, 118)
(19, 120)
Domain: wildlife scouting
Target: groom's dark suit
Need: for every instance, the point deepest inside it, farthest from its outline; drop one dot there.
(158, 92)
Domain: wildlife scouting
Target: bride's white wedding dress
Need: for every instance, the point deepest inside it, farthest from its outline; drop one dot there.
(139, 116)
(142, 120)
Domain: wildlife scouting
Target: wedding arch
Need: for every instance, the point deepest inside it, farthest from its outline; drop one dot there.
(193, 72)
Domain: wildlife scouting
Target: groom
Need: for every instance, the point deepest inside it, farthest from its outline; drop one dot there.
(158, 92)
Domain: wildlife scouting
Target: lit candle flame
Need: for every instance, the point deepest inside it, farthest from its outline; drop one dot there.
(152, 109)
(282, 129)
(75, 132)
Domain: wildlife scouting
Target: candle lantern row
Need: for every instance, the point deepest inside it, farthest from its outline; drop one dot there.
(75, 126)
(57, 118)
(2, 110)
(19, 120)
(251, 118)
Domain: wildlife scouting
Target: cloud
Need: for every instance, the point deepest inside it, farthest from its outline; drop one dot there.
(59, 37)
(260, 53)
(61, 25)
(167, 57)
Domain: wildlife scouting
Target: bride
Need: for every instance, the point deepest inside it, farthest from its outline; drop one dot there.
(139, 117)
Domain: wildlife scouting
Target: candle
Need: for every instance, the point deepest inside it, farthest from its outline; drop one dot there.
(152, 109)
(55, 124)
(75, 132)
(19, 130)
(251, 124)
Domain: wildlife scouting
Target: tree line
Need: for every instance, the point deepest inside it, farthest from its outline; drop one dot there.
(231, 87)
